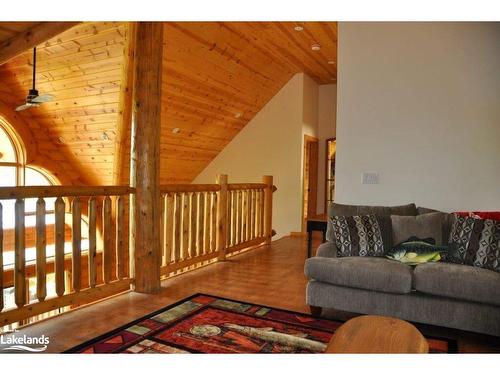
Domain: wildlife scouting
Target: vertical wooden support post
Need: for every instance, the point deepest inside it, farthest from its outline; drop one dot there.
(222, 216)
(59, 247)
(19, 258)
(76, 237)
(268, 208)
(145, 156)
(92, 242)
(41, 242)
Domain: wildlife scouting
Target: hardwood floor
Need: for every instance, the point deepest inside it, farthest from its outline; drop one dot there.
(270, 275)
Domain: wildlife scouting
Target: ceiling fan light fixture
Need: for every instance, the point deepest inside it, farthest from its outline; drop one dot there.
(34, 99)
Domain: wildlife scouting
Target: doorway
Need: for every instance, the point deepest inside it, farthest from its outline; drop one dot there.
(310, 181)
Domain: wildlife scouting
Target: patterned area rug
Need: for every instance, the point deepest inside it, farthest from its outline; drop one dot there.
(208, 324)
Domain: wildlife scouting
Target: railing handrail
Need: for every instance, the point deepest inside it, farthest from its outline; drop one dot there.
(16, 192)
(188, 188)
(246, 186)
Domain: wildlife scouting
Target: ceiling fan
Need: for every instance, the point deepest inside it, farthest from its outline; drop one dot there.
(33, 99)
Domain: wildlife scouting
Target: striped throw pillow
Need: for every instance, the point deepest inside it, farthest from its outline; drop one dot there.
(357, 236)
(475, 242)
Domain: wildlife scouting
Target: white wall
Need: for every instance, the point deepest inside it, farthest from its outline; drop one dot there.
(419, 103)
(327, 110)
(270, 144)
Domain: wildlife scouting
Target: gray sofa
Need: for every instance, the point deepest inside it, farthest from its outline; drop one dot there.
(443, 294)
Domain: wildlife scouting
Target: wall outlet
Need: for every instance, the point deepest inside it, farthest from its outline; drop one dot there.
(369, 178)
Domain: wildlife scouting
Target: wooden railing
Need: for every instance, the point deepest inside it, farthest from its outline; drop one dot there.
(81, 275)
(84, 246)
(204, 223)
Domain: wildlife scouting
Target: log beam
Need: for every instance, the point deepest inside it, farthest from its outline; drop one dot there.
(145, 157)
(31, 38)
(125, 107)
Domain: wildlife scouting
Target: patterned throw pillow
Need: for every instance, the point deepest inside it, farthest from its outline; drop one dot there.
(475, 242)
(357, 236)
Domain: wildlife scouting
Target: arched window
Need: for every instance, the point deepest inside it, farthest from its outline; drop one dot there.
(15, 172)
(13, 168)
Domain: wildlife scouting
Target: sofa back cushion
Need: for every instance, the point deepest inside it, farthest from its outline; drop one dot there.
(448, 220)
(475, 242)
(357, 236)
(383, 214)
(421, 226)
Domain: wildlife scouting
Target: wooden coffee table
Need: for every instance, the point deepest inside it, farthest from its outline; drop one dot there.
(377, 334)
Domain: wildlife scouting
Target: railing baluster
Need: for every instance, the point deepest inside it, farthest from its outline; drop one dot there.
(206, 225)
(177, 236)
(76, 237)
(193, 205)
(169, 227)
(252, 215)
(239, 222)
(92, 242)
(59, 207)
(107, 256)
(19, 255)
(213, 224)
(245, 216)
(1, 257)
(262, 211)
(234, 209)
(222, 217)
(185, 226)
(201, 218)
(120, 238)
(41, 243)
(162, 202)
(257, 213)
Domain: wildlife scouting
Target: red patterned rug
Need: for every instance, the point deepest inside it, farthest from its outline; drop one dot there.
(208, 324)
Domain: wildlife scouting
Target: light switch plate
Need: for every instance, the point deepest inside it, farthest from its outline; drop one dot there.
(369, 178)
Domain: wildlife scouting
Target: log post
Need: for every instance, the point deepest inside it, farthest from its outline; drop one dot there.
(145, 157)
(268, 208)
(222, 217)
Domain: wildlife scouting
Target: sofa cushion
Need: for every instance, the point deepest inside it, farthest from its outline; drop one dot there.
(368, 273)
(447, 220)
(383, 214)
(327, 250)
(421, 226)
(357, 236)
(458, 281)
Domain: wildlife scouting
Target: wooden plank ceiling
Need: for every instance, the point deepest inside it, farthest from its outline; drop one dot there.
(216, 77)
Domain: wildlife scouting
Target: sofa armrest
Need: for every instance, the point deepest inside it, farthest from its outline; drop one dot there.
(327, 250)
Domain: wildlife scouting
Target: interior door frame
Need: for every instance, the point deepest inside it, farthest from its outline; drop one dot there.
(308, 139)
(327, 173)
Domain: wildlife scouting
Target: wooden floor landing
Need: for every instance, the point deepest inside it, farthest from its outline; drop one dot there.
(270, 275)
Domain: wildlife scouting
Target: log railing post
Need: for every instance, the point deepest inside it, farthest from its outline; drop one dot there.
(268, 208)
(222, 217)
(145, 157)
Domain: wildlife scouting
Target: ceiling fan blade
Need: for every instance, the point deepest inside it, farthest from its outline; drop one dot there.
(43, 98)
(26, 106)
